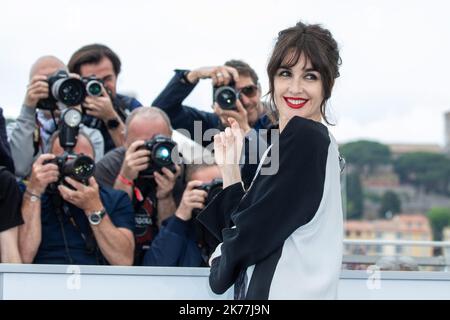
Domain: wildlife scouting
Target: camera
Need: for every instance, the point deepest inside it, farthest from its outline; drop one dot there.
(63, 88)
(212, 188)
(93, 86)
(161, 148)
(76, 166)
(226, 96)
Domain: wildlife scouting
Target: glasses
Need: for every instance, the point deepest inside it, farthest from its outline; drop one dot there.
(249, 91)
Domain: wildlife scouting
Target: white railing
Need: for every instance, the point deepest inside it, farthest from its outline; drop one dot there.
(441, 244)
(442, 262)
(107, 282)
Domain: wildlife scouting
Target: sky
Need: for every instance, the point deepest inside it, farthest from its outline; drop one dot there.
(394, 85)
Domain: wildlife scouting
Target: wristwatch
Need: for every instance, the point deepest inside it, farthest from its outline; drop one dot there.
(33, 197)
(112, 123)
(96, 217)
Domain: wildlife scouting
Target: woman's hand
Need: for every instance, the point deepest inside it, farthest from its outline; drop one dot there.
(227, 152)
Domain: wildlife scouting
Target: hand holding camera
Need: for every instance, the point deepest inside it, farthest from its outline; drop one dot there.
(43, 173)
(37, 89)
(193, 198)
(165, 182)
(75, 166)
(220, 75)
(68, 89)
(163, 154)
(136, 160)
(100, 106)
(64, 88)
(83, 196)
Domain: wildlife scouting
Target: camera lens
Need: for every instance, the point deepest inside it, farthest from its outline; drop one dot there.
(226, 97)
(162, 154)
(81, 168)
(69, 91)
(94, 88)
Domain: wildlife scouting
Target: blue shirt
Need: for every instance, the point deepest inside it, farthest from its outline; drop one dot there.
(52, 249)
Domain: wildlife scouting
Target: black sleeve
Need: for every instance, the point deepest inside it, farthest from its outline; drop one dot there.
(10, 202)
(217, 214)
(276, 205)
(181, 116)
(173, 95)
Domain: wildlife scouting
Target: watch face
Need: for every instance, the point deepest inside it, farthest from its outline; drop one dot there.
(95, 218)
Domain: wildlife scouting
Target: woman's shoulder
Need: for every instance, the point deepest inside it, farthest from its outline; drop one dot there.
(303, 131)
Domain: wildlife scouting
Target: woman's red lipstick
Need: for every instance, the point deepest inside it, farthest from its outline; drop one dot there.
(295, 103)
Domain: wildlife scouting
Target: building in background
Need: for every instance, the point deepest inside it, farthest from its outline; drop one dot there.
(413, 227)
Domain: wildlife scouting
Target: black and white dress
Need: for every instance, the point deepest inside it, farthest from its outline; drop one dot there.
(285, 233)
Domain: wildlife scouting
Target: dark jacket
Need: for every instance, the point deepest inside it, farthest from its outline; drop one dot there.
(175, 245)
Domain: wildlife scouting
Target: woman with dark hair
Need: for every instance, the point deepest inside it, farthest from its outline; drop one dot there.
(282, 238)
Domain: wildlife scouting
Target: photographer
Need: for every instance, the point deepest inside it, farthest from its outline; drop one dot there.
(74, 222)
(153, 196)
(29, 134)
(108, 111)
(181, 241)
(249, 111)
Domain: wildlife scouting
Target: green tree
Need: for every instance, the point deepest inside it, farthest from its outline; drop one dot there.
(390, 201)
(428, 171)
(439, 219)
(366, 153)
(354, 196)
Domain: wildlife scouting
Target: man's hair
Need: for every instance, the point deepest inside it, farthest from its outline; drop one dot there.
(148, 112)
(243, 69)
(55, 135)
(93, 53)
(193, 168)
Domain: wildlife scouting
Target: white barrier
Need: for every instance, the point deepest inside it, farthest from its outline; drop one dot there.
(105, 282)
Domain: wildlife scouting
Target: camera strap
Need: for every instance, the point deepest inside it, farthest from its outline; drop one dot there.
(37, 139)
(88, 237)
(120, 106)
(57, 202)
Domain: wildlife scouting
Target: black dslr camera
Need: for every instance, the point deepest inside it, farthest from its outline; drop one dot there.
(162, 151)
(93, 86)
(226, 96)
(212, 188)
(63, 88)
(70, 164)
(75, 166)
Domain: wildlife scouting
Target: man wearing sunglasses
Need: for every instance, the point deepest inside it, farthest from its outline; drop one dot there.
(250, 113)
